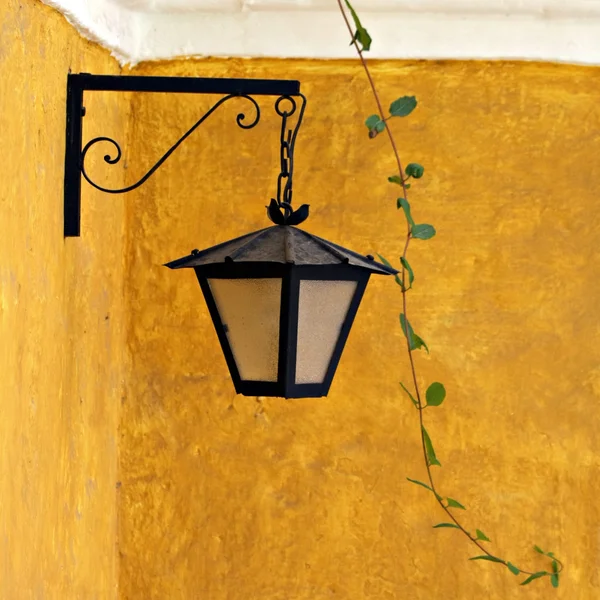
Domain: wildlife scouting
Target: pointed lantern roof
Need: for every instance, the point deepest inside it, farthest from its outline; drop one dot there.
(280, 244)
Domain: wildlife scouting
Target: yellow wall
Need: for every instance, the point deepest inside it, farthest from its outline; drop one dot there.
(229, 497)
(235, 498)
(61, 325)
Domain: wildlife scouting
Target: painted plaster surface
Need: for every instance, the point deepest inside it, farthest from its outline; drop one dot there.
(61, 326)
(129, 469)
(235, 498)
(142, 30)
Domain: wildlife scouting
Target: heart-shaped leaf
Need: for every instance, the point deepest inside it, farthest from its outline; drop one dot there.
(431, 457)
(435, 394)
(405, 206)
(420, 483)
(361, 35)
(455, 504)
(403, 106)
(372, 120)
(423, 231)
(490, 558)
(481, 536)
(387, 263)
(534, 576)
(415, 342)
(411, 397)
(414, 170)
(411, 275)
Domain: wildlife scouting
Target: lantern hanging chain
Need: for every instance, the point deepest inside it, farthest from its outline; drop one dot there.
(286, 153)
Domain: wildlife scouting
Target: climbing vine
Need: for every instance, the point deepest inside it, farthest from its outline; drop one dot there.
(435, 393)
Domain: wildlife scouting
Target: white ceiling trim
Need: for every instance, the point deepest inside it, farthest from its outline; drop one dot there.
(138, 30)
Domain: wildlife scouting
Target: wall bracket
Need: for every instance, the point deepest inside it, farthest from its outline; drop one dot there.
(77, 84)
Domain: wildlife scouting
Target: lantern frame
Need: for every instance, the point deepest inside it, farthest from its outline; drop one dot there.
(292, 255)
(291, 276)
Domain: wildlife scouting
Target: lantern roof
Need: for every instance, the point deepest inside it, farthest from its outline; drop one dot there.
(280, 244)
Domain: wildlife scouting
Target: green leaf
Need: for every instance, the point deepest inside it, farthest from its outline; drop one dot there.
(554, 565)
(455, 503)
(414, 170)
(413, 400)
(375, 125)
(407, 329)
(420, 483)
(398, 180)
(385, 261)
(431, 457)
(423, 231)
(411, 275)
(403, 106)
(435, 394)
(405, 206)
(554, 580)
(482, 536)
(395, 179)
(534, 576)
(538, 549)
(372, 120)
(440, 525)
(490, 558)
(415, 342)
(514, 570)
(550, 554)
(419, 343)
(361, 34)
(388, 264)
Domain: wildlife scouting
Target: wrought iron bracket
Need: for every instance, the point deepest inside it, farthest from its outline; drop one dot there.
(79, 83)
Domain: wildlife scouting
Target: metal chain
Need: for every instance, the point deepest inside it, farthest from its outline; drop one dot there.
(286, 160)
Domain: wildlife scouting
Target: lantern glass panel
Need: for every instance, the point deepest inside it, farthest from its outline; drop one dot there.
(249, 310)
(322, 310)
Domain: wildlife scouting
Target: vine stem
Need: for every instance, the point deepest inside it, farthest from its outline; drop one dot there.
(420, 406)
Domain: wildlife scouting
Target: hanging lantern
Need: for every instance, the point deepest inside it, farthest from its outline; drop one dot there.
(282, 302)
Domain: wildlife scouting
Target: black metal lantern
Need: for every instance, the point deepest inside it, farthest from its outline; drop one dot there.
(282, 302)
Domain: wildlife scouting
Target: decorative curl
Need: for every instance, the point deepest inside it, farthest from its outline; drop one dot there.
(240, 118)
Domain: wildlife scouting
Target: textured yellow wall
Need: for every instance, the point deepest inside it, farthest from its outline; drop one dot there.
(234, 498)
(227, 497)
(61, 326)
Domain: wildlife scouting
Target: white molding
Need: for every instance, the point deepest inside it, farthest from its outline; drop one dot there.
(138, 30)
(111, 26)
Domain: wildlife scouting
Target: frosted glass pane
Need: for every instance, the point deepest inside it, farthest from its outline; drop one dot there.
(249, 309)
(323, 306)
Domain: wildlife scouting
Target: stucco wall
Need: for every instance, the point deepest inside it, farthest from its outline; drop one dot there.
(227, 497)
(220, 497)
(61, 325)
